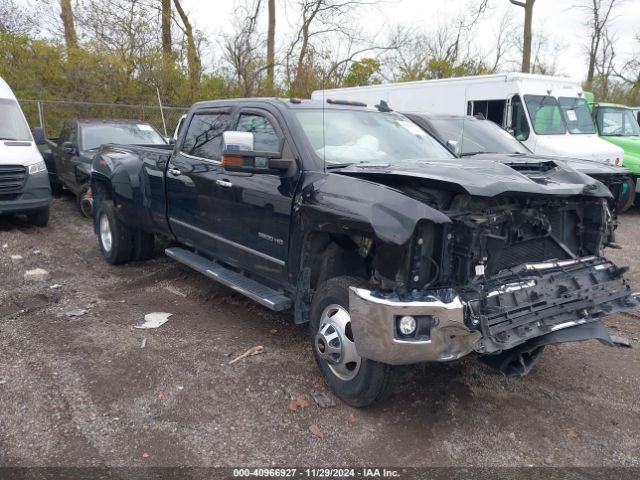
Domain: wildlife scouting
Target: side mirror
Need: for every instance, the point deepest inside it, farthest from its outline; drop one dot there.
(255, 162)
(237, 141)
(67, 147)
(39, 136)
(454, 147)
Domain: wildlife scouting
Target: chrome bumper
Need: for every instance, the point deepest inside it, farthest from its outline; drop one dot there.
(373, 321)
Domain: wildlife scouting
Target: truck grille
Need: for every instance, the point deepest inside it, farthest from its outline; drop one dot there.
(538, 250)
(12, 177)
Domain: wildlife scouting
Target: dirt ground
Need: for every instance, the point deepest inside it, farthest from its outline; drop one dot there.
(81, 391)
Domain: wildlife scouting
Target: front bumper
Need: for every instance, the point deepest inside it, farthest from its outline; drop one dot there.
(505, 311)
(34, 195)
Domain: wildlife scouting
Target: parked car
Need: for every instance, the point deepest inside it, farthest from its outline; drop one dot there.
(476, 137)
(69, 156)
(617, 124)
(548, 114)
(392, 249)
(24, 186)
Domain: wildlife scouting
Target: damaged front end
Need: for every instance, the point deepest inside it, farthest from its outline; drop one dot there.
(502, 280)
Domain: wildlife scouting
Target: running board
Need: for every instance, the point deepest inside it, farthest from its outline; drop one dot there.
(256, 291)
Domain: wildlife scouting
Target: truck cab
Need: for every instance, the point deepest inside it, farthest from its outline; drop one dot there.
(24, 183)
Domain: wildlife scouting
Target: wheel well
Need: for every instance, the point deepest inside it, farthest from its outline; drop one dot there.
(100, 188)
(329, 255)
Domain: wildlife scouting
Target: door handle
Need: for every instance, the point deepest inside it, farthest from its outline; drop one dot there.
(224, 183)
(175, 171)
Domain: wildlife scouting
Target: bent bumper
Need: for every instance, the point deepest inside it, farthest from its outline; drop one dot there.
(373, 319)
(529, 301)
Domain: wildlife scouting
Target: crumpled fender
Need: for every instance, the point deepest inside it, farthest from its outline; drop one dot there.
(341, 204)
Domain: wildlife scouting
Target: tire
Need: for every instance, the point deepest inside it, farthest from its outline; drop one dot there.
(359, 385)
(628, 196)
(85, 201)
(114, 237)
(39, 218)
(143, 246)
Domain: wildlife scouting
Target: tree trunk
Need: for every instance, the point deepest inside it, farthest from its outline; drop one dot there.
(166, 31)
(193, 59)
(526, 44)
(271, 38)
(66, 15)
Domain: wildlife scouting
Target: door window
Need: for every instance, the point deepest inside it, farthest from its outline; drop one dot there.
(519, 122)
(265, 138)
(204, 135)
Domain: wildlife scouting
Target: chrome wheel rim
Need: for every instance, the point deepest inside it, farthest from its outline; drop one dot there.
(105, 233)
(334, 343)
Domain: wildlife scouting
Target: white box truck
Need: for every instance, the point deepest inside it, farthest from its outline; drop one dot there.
(548, 114)
(24, 181)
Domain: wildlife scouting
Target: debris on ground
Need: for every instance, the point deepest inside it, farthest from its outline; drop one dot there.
(145, 455)
(142, 340)
(55, 286)
(16, 258)
(154, 320)
(297, 404)
(78, 312)
(621, 341)
(36, 252)
(2, 381)
(571, 433)
(322, 400)
(249, 353)
(36, 275)
(5, 245)
(175, 291)
(350, 420)
(315, 430)
(161, 396)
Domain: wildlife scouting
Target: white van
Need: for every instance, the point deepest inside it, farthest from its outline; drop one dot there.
(548, 114)
(24, 181)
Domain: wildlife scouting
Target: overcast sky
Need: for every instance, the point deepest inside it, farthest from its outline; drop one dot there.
(559, 19)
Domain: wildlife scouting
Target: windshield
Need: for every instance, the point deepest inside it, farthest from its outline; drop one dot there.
(575, 112)
(359, 136)
(127, 133)
(545, 114)
(12, 124)
(477, 136)
(617, 122)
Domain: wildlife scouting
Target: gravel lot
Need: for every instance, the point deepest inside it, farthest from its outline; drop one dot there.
(81, 391)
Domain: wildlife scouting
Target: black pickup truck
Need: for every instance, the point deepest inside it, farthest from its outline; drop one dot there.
(362, 224)
(69, 156)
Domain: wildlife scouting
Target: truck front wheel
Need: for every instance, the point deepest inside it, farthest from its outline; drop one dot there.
(114, 237)
(358, 381)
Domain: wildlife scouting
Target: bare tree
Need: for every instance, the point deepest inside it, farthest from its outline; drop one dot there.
(527, 5)
(166, 31)
(599, 14)
(271, 46)
(15, 19)
(193, 57)
(242, 48)
(66, 15)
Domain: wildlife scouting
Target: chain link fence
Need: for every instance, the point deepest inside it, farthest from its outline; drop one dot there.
(51, 114)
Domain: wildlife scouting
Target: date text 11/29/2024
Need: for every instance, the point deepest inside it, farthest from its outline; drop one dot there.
(316, 473)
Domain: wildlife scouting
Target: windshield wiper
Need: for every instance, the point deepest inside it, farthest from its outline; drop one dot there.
(468, 154)
(10, 139)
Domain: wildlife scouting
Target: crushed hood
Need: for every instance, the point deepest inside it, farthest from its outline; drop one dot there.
(487, 178)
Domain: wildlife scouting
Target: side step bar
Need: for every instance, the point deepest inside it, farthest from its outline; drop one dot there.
(262, 294)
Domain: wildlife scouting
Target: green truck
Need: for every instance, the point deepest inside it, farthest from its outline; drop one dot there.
(618, 124)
